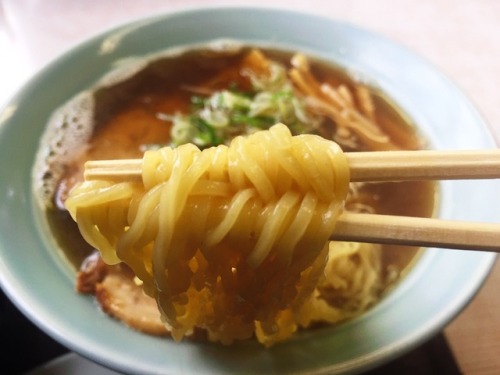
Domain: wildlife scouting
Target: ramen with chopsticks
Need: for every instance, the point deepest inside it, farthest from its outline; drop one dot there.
(228, 229)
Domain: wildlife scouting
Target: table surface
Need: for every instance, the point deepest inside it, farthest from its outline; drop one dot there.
(458, 37)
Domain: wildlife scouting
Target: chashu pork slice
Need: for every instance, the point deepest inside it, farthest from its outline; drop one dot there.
(119, 295)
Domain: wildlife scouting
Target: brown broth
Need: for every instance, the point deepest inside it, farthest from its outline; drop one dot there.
(126, 117)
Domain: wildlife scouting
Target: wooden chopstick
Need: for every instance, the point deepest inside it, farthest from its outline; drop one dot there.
(113, 170)
(364, 166)
(424, 165)
(417, 231)
(385, 166)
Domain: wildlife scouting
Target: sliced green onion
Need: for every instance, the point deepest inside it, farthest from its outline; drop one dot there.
(217, 118)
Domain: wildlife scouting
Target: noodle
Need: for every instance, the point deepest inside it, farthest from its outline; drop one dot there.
(234, 239)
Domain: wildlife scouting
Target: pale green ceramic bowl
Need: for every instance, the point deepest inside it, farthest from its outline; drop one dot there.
(40, 282)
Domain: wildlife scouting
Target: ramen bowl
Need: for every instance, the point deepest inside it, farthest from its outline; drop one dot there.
(39, 280)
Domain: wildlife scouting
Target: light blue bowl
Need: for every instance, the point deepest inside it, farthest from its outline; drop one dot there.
(40, 282)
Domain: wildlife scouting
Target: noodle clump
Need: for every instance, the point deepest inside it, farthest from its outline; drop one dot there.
(232, 239)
